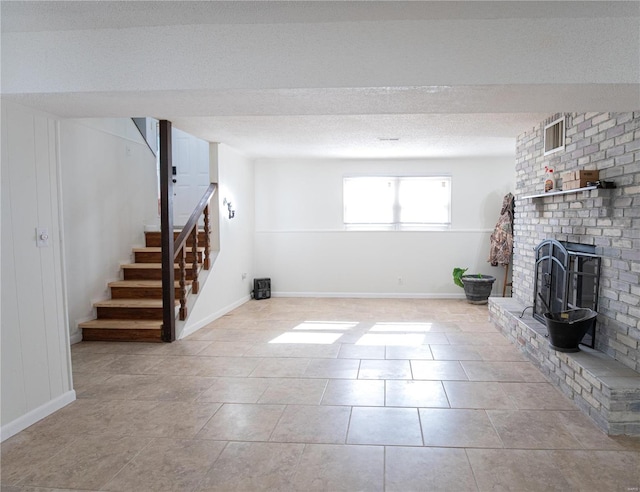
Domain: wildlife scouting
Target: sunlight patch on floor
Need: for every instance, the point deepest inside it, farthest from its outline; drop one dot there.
(315, 333)
(326, 325)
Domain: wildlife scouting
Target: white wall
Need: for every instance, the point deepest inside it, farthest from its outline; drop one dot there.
(36, 366)
(109, 184)
(302, 245)
(225, 288)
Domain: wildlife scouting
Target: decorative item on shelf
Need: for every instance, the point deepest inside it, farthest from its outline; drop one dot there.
(602, 184)
(574, 180)
(477, 287)
(549, 180)
(232, 212)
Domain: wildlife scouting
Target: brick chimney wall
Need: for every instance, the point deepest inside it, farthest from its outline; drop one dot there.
(607, 219)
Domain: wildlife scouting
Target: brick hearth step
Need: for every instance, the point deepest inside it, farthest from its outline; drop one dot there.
(600, 386)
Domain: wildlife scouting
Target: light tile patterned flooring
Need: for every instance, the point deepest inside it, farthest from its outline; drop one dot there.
(319, 394)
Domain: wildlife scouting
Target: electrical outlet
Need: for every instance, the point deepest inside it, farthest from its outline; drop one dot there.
(400, 281)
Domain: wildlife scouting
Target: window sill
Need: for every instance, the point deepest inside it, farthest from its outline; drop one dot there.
(395, 228)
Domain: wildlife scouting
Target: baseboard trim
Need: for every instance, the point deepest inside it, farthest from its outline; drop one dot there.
(33, 416)
(212, 317)
(75, 337)
(369, 295)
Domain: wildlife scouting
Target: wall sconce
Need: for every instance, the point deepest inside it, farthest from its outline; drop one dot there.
(232, 213)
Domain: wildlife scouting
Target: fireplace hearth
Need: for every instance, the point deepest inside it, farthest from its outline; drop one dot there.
(567, 276)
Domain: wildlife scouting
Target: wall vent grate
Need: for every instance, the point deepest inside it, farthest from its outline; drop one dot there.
(554, 136)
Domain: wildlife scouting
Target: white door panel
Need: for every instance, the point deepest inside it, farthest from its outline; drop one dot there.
(191, 161)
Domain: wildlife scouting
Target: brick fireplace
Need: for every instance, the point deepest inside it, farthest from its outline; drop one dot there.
(604, 382)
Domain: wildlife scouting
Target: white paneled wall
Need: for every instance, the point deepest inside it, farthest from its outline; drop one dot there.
(36, 367)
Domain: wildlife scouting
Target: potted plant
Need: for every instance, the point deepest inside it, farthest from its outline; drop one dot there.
(477, 287)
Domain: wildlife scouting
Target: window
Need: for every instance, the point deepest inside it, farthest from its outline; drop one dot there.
(397, 202)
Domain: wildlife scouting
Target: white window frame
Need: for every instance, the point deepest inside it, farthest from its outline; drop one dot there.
(396, 224)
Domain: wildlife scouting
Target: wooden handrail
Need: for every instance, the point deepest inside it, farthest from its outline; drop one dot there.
(193, 219)
(190, 230)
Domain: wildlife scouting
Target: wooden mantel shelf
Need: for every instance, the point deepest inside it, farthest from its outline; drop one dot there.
(562, 192)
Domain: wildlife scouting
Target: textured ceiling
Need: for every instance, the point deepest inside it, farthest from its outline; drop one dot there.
(327, 79)
(33, 16)
(366, 136)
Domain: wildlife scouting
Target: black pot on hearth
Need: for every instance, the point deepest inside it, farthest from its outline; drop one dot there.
(566, 328)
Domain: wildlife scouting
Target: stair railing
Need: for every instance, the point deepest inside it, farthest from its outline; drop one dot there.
(175, 247)
(180, 247)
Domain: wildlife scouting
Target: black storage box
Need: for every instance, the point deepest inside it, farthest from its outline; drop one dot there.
(261, 288)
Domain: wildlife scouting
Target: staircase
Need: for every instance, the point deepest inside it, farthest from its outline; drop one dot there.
(134, 312)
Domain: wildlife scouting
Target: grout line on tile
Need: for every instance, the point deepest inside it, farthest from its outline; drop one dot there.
(113, 477)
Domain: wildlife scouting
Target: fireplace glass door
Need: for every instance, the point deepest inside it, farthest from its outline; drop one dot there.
(566, 277)
(552, 262)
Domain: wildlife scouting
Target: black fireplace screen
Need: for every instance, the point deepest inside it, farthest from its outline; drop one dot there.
(566, 277)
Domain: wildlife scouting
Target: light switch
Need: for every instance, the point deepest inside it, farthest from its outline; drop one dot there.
(42, 237)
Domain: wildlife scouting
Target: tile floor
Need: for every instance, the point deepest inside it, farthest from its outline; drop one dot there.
(319, 394)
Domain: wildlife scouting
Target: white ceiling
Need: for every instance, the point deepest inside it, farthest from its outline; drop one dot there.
(267, 97)
(32, 16)
(366, 136)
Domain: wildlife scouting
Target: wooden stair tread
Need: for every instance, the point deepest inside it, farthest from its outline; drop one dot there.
(131, 303)
(142, 283)
(151, 266)
(122, 324)
(155, 249)
(135, 311)
(177, 229)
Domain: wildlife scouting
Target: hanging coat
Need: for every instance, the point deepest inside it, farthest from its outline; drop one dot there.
(502, 236)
